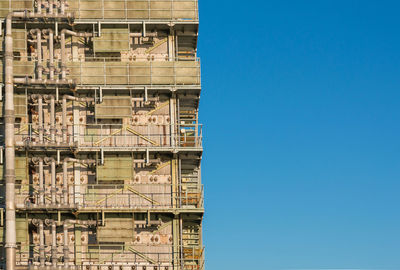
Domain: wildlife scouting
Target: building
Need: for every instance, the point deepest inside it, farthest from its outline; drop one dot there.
(100, 140)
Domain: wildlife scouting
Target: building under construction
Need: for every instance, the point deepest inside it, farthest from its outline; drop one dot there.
(100, 140)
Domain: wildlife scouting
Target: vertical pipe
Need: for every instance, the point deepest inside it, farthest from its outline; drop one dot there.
(66, 248)
(53, 181)
(101, 94)
(41, 244)
(178, 120)
(40, 109)
(51, 52)
(39, 54)
(181, 241)
(172, 117)
(66, 238)
(53, 244)
(171, 43)
(179, 188)
(196, 130)
(63, 44)
(175, 242)
(64, 113)
(9, 172)
(52, 119)
(41, 183)
(39, 6)
(51, 6)
(63, 56)
(65, 181)
(64, 119)
(62, 7)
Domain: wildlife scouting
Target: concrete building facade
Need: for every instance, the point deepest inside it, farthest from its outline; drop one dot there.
(101, 145)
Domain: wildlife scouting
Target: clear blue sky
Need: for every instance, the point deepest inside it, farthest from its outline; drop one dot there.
(301, 106)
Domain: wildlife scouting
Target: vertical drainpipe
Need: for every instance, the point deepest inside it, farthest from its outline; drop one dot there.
(53, 224)
(62, 6)
(9, 123)
(51, 6)
(53, 182)
(40, 225)
(9, 175)
(66, 247)
(63, 45)
(65, 182)
(64, 113)
(52, 119)
(54, 244)
(40, 111)
(41, 183)
(66, 238)
(64, 120)
(51, 52)
(63, 56)
(65, 191)
(39, 54)
(181, 241)
(53, 189)
(39, 6)
(172, 122)
(41, 244)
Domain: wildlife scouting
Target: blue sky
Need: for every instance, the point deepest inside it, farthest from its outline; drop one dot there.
(301, 106)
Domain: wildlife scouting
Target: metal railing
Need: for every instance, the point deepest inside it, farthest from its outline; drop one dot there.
(111, 196)
(113, 135)
(121, 10)
(104, 72)
(129, 255)
(136, 9)
(129, 197)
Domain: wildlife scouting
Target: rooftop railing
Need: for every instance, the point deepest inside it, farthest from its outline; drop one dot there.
(186, 10)
(121, 10)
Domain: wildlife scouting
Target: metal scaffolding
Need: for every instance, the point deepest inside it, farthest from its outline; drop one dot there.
(100, 144)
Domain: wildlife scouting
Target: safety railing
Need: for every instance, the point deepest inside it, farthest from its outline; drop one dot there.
(103, 72)
(138, 196)
(121, 10)
(106, 136)
(6, 6)
(191, 258)
(102, 255)
(129, 197)
(135, 9)
(135, 73)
